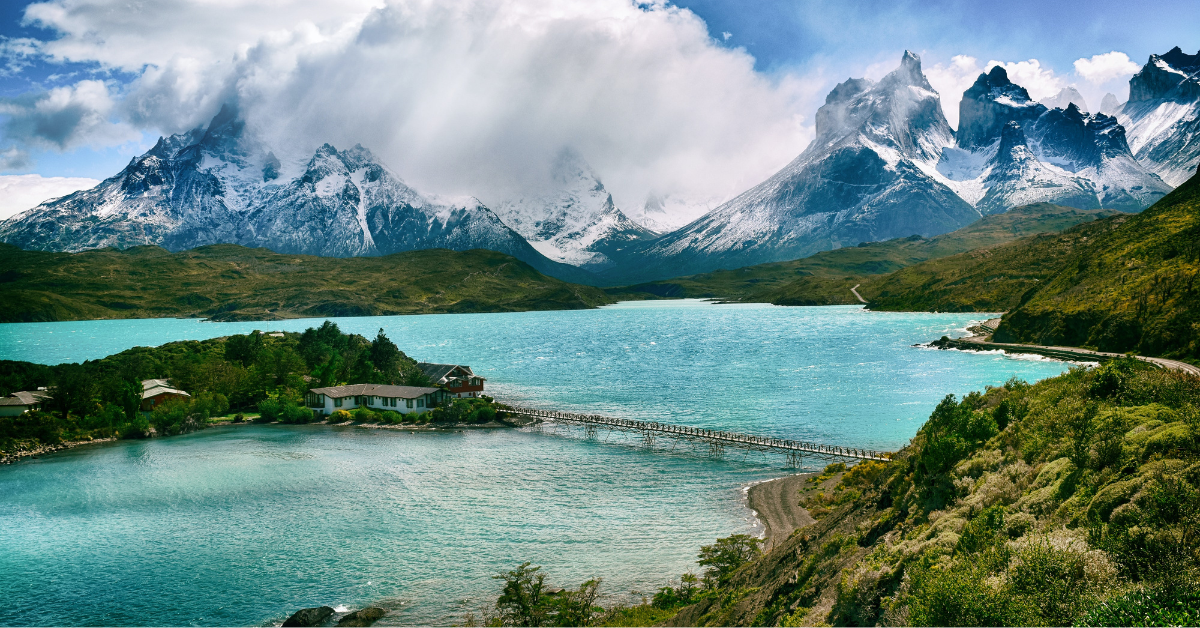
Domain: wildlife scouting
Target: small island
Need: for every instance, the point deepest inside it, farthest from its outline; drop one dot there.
(320, 375)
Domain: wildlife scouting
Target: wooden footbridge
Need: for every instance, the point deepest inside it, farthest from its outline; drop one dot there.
(716, 441)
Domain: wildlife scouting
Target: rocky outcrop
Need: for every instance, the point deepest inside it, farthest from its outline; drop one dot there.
(364, 617)
(309, 617)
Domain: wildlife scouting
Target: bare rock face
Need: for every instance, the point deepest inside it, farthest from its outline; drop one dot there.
(1162, 117)
(309, 617)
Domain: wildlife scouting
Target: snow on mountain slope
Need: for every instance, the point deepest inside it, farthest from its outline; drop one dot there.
(858, 180)
(575, 222)
(1162, 117)
(217, 185)
(1013, 151)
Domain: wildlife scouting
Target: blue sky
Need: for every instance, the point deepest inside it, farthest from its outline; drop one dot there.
(654, 98)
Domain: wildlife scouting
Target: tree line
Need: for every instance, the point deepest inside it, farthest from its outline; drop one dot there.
(266, 374)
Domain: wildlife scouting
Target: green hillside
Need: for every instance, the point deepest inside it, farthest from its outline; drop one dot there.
(1124, 283)
(818, 279)
(230, 282)
(1073, 501)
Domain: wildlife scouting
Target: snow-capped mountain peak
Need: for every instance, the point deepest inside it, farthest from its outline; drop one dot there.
(1162, 117)
(220, 185)
(573, 220)
(1065, 97)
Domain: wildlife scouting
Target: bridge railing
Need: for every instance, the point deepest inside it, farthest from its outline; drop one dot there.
(778, 444)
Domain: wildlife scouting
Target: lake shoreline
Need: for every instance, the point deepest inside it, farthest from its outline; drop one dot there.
(16, 456)
(776, 505)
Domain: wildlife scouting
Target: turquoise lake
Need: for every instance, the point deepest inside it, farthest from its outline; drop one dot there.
(242, 525)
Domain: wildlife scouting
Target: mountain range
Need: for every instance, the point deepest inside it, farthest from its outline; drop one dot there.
(885, 163)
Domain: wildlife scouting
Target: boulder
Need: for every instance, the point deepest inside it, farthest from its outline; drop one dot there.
(309, 616)
(364, 617)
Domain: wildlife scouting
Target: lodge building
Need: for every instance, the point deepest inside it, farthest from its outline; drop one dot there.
(458, 379)
(378, 397)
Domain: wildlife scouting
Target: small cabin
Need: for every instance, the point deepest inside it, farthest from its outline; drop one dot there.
(155, 392)
(377, 397)
(457, 378)
(24, 401)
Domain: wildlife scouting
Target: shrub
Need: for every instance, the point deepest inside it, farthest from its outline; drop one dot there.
(1155, 607)
(291, 413)
(340, 416)
(391, 417)
(725, 556)
(365, 415)
(269, 409)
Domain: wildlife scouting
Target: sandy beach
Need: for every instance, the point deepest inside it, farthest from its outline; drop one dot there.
(777, 505)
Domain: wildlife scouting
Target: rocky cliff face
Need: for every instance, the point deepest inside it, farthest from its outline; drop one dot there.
(864, 177)
(1013, 151)
(1162, 117)
(574, 221)
(216, 185)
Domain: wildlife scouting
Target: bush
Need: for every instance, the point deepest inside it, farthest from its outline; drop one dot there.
(269, 409)
(295, 414)
(366, 415)
(391, 417)
(178, 416)
(726, 555)
(465, 410)
(340, 416)
(1156, 607)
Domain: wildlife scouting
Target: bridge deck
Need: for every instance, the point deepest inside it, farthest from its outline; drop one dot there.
(734, 439)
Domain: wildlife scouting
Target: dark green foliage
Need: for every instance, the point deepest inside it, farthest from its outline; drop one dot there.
(526, 600)
(230, 282)
(984, 531)
(466, 410)
(724, 557)
(953, 431)
(244, 349)
(102, 398)
(673, 597)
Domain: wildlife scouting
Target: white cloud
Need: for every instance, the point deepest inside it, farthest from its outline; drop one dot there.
(459, 96)
(1040, 82)
(951, 80)
(66, 117)
(1103, 68)
(20, 192)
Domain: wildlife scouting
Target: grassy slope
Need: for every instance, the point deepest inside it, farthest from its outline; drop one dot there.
(1125, 283)
(1072, 500)
(230, 282)
(798, 278)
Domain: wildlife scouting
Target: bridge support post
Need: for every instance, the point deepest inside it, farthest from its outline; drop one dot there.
(590, 431)
(716, 449)
(648, 439)
(795, 460)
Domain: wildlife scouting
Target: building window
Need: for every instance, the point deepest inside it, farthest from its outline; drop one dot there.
(421, 403)
(337, 403)
(408, 402)
(392, 402)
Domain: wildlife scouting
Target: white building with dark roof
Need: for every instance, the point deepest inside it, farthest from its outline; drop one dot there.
(377, 397)
(457, 378)
(23, 401)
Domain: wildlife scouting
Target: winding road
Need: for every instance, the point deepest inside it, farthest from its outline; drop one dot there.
(855, 291)
(1064, 353)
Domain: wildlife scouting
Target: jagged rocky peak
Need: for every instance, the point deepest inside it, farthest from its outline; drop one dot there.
(1074, 140)
(990, 103)
(1110, 104)
(1175, 71)
(901, 111)
(1066, 96)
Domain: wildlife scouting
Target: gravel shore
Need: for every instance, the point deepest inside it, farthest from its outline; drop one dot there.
(778, 508)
